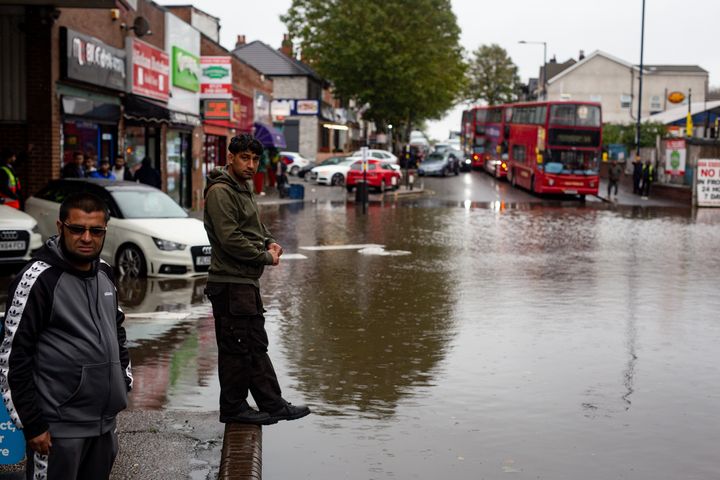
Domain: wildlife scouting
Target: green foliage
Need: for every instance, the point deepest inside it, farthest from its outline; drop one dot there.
(401, 58)
(492, 76)
(625, 133)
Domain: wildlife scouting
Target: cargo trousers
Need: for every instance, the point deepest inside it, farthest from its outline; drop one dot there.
(243, 363)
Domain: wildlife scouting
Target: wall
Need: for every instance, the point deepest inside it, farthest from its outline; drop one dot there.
(308, 136)
(602, 79)
(290, 87)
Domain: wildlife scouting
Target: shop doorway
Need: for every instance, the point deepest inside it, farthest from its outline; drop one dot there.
(179, 162)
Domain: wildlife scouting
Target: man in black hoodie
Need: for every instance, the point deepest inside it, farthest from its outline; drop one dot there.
(64, 363)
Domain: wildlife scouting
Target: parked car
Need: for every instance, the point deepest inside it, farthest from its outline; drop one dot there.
(19, 236)
(148, 233)
(378, 154)
(332, 174)
(294, 161)
(303, 172)
(380, 175)
(441, 163)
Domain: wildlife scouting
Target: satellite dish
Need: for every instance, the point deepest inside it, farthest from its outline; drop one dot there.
(141, 27)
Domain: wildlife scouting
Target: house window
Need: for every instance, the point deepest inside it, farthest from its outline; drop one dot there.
(625, 101)
(655, 103)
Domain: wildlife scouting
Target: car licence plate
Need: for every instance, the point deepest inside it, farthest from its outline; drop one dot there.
(204, 260)
(7, 246)
(570, 192)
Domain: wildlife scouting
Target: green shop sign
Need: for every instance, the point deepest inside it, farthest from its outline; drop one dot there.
(216, 72)
(185, 69)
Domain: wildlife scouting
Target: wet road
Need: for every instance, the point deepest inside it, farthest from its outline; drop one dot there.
(495, 333)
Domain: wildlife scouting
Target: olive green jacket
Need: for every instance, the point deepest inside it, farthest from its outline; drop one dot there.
(238, 238)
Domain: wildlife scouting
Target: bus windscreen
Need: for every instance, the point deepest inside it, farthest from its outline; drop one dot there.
(573, 115)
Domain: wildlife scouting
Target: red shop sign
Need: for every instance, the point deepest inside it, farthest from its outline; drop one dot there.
(150, 70)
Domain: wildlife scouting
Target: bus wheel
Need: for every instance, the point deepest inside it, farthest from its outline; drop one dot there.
(582, 198)
(532, 184)
(513, 182)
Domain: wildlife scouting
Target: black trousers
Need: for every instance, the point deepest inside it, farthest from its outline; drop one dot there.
(89, 458)
(612, 184)
(243, 363)
(646, 188)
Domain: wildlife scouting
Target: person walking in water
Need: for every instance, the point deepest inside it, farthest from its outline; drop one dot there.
(241, 248)
(614, 174)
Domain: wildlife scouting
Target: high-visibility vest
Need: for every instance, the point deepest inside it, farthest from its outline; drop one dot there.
(14, 186)
(649, 169)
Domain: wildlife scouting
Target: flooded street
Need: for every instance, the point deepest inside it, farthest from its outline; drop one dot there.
(544, 339)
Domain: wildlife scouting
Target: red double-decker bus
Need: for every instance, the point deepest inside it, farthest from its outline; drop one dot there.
(491, 154)
(554, 147)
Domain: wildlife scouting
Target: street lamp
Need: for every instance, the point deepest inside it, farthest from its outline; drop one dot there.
(544, 79)
(640, 83)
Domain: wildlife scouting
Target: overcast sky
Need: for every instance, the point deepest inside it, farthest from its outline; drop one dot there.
(676, 32)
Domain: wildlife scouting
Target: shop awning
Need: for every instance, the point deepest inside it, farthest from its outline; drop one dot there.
(269, 136)
(90, 109)
(145, 110)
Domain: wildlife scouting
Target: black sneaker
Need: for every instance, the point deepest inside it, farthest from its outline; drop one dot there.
(288, 412)
(249, 416)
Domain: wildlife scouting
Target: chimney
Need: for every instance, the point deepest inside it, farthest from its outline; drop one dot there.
(582, 55)
(240, 41)
(286, 46)
(553, 59)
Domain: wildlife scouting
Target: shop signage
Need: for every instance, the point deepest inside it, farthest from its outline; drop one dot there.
(89, 60)
(708, 182)
(281, 109)
(217, 109)
(185, 69)
(676, 97)
(149, 70)
(243, 111)
(12, 441)
(215, 77)
(675, 153)
(262, 108)
(307, 107)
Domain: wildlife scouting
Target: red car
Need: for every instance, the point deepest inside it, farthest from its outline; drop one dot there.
(380, 175)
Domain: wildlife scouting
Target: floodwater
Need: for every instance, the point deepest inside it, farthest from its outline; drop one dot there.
(470, 341)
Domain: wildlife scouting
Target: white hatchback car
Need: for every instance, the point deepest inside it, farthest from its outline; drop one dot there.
(382, 155)
(294, 161)
(148, 233)
(332, 174)
(19, 236)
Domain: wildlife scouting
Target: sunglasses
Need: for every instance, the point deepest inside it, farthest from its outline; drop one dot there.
(80, 230)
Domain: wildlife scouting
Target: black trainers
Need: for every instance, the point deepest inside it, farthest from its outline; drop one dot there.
(288, 412)
(249, 416)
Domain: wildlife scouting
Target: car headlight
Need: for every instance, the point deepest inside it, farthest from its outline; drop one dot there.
(36, 229)
(167, 245)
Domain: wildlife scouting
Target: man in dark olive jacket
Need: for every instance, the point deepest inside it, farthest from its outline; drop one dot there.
(64, 363)
(241, 247)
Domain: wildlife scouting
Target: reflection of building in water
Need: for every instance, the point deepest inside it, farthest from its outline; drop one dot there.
(363, 331)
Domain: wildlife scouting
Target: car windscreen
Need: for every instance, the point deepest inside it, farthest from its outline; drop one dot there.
(435, 157)
(147, 204)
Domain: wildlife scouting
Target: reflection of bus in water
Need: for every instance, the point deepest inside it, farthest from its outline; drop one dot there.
(554, 147)
(466, 130)
(491, 149)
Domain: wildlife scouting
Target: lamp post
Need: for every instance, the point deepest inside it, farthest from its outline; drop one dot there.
(544, 79)
(640, 83)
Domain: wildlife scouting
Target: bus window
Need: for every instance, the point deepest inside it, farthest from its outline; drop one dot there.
(575, 115)
(518, 153)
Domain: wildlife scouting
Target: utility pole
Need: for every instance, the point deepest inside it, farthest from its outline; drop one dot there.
(642, 46)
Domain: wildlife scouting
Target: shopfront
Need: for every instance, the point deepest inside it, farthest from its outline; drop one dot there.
(90, 118)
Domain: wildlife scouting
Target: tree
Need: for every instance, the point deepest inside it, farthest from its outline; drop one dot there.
(492, 76)
(618, 133)
(401, 58)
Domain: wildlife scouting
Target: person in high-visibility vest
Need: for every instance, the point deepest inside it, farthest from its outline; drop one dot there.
(648, 175)
(9, 181)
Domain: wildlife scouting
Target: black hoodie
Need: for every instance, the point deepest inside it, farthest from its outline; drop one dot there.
(64, 363)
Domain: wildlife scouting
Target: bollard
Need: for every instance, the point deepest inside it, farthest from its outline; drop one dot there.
(241, 453)
(361, 192)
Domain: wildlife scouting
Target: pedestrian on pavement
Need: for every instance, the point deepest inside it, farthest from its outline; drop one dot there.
(637, 174)
(274, 155)
(648, 174)
(90, 165)
(241, 248)
(64, 363)
(283, 184)
(259, 177)
(614, 174)
(147, 174)
(10, 191)
(121, 171)
(103, 171)
(75, 168)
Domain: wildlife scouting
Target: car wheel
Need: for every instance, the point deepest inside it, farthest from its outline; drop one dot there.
(444, 172)
(383, 186)
(457, 170)
(294, 170)
(337, 179)
(131, 262)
